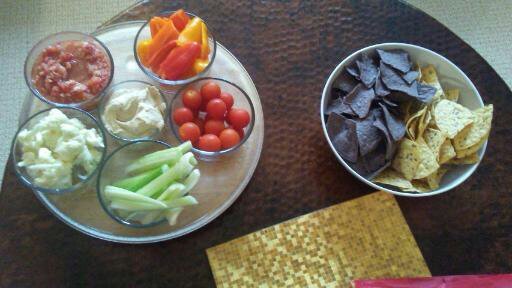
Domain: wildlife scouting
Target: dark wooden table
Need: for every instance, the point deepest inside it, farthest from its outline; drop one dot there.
(289, 48)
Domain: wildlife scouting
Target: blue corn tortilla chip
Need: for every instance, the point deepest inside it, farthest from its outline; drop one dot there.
(353, 70)
(375, 160)
(379, 87)
(368, 136)
(388, 102)
(398, 59)
(367, 70)
(390, 144)
(394, 81)
(426, 92)
(396, 127)
(360, 100)
(342, 132)
(339, 107)
(345, 83)
(410, 76)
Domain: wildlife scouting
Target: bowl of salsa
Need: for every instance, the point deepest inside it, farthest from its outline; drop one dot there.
(69, 69)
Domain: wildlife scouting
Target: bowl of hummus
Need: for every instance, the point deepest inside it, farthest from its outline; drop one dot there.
(133, 110)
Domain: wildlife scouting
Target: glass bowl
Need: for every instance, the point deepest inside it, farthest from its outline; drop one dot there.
(113, 169)
(241, 100)
(144, 33)
(16, 152)
(36, 53)
(130, 84)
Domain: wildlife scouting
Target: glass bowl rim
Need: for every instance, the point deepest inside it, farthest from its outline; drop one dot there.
(221, 152)
(111, 89)
(36, 92)
(155, 77)
(57, 191)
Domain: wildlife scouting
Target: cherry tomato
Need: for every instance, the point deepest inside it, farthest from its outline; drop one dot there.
(200, 123)
(216, 109)
(209, 142)
(210, 90)
(189, 131)
(240, 131)
(228, 99)
(191, 99)
(182, 115)
(239, 117)
(214, 127)
(229, 138)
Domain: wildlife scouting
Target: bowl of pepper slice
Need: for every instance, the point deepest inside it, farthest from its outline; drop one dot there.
(175, 48)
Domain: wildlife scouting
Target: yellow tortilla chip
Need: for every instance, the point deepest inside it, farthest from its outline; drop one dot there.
(407, 158)
(428, 160)
(393, 178)
(451, 117)
(429, 76)
(423, 123)
(434, 139)
(470, 159)
(434, 179)
(418, 186)
(466, 152)
(446, 152)
(411, 125)
(452, 94)
(476, 131)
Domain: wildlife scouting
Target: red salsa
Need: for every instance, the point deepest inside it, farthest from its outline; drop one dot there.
(71, 71)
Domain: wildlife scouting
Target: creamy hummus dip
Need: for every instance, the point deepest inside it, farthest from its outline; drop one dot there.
(134, 113)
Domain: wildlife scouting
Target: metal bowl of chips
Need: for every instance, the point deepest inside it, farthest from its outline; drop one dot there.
(448, 76)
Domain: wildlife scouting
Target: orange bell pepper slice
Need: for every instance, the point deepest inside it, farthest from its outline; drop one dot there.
(179, 61)
(200, 65)
(165, 35)
(156, 23)
(180, 19)
(205, 46)
(191, 33)
(142, 51)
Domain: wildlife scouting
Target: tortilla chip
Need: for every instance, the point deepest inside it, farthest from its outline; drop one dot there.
(451, 117)
(452, 94)
(426, 93)
(423, 123)
(379, 87)
(435, 178)
(398, 59)
(342, 132)
(395, 126)
(413, 121)
(476, 131)
(394, 81)
(418, 186)
(472, 149)
(367, 70)
(407, 159)
(390, 144)
(410, 76)
(353, 70)
(393, 178)
(470, 159)
(434, 139)
(429, 76)
(446, 152)
(428, 160)
(339, 107)
(360, 99)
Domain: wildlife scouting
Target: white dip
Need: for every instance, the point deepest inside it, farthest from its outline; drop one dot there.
(134, 113)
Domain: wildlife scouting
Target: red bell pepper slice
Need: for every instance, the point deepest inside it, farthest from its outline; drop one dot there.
(155, 61)
(180, 19)
(179, 61)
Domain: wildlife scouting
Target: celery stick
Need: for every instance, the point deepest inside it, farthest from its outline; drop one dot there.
(191, 181)
(136, 182)
(174, 191)
(180, 170)
(150, 161)
(172, 215)
(183, 201)
(132, 206)
(115, 193)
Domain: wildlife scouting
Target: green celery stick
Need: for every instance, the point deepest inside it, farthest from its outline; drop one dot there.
(156, 159)
(136, 182)
(174, 189)
(191, 181)
(172, 215)
(115, 193)
(132, 206)
(180, 170)
(183, 201)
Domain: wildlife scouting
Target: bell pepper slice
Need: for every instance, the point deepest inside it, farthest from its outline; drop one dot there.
(200, 65)
(180, 19)
(156, 23)
(205, 46)
(165, 35)
(191, 33)
(142, 51)
(179, 61)
(159, 57)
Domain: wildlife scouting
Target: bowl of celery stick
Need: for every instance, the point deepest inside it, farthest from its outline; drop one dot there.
(147, 183)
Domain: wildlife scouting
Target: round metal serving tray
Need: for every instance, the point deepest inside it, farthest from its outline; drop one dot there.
(221, 181)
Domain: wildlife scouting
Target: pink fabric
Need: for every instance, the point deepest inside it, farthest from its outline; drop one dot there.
(461, 281)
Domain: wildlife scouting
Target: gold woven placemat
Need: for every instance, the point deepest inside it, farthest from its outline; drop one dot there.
(362, 238)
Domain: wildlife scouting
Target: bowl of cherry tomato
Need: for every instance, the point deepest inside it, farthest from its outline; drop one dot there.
(216, 115)
(175, 48)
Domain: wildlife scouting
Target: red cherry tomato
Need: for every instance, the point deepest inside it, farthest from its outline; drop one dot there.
(200, 123)
(182, 115)
(216, 109)
(189, 131)
(210, 90)
(209, 142)
(239, 117)
(191, 99)
(229, 138)
(214, 127)
(240, 132)
(228, 99)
